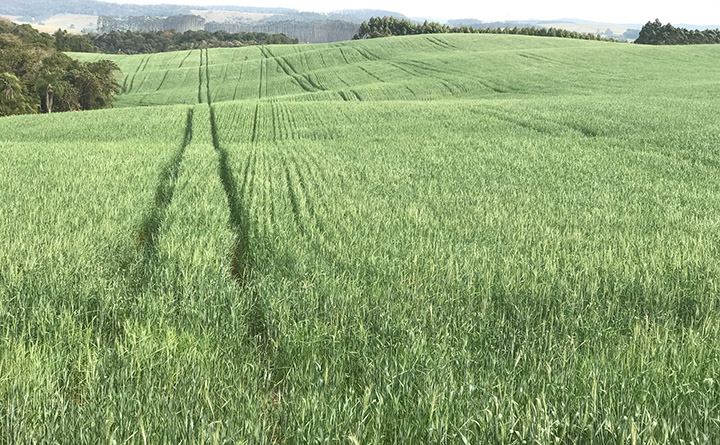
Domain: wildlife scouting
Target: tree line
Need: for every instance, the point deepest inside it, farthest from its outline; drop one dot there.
(304, 27)
(37, 78)
(320, 31)
(655, 33)
(180, 23)
(136, 42)
(391, 26)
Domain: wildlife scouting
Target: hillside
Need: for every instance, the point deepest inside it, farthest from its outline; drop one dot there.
(415, 68)
(445, 238)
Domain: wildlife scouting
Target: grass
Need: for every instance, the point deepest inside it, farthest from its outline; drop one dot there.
(471, 239)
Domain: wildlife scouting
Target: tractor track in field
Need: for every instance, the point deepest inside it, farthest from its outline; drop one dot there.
(137, 70)
(305, 194)
(254, 135)
(162, 81)
(237, 84)
(149, 231)
(534, 124)
(200, 78)
(242, 263)
(304, 81)
(260, 82)
(294, 201)
(207, 77)
(184, 59)
(342, 53)
(371, 74)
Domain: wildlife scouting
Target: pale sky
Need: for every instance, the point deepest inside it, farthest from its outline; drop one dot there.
(697, 12)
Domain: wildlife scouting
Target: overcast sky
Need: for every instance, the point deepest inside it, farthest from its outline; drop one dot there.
(698, 12)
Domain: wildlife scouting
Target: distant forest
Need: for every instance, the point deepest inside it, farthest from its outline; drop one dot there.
(136, 42)
(391, 26)
(305, 27)
(655, 33)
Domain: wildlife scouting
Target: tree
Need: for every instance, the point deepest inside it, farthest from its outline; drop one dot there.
(649, 34)
(655, 33)
(36, 77)
(65, 41)
(96, 84)
(13, 100)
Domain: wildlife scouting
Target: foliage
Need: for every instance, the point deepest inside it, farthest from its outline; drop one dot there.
(391, 26)
(655, 33)
(13, 98)
(135, 42)
(67, 42)
(39, 78)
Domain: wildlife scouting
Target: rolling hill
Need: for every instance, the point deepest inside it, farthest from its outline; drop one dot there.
(444, 238)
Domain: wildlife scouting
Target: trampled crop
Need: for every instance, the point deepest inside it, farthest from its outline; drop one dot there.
(447, 238)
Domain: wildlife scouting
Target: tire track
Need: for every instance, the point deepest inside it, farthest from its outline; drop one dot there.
(342, 53)
(185, 58)
(242, 263)
(237, 84)
(299, 195)
(303, 81)
(207, 77)
(371, 74)
(162, 81)
(306, 194)
(124, 86)
(292, 126)
(365, 53)
(149, 232)
(260, 82)
(254, 136)
(200, 78)
(137, 70)
(436, 43)
(419, 73)
(294, 201)
(144, 78)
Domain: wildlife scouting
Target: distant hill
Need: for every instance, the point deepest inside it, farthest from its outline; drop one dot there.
(308, 31)
(38, 10)
(609, 30)
(311, 27)
(97, 16)
(480, 24)
(361, 15)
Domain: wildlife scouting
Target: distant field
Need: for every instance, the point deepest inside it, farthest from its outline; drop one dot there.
(428, 239)
(221, 15)
(590, 28)
(73, 23)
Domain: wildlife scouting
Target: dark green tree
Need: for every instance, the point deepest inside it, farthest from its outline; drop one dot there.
(13, 99)
(65, 41)
(655, 33)
(96, 84)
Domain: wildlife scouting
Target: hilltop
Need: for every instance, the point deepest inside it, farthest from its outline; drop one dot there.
(413, 68)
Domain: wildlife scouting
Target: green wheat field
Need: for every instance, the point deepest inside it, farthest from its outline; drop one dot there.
(429, 239)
